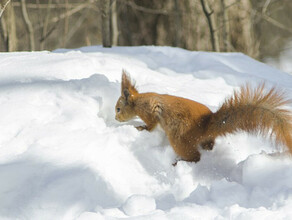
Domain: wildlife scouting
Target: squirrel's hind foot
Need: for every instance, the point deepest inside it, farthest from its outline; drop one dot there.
(208, 145)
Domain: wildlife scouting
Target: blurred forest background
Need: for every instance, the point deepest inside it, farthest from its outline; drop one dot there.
(258, 28)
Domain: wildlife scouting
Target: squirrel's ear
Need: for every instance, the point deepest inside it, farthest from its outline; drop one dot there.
(126, 81)
(127, 84)
(126, 94)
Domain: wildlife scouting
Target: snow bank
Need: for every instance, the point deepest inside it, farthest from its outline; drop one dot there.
(63, 156)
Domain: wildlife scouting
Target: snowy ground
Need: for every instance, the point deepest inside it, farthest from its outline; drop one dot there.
(63, 156)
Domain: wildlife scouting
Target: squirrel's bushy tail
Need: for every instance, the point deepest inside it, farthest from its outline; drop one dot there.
(254, 110)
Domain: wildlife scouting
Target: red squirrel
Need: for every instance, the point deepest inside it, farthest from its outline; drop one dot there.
(189, 124)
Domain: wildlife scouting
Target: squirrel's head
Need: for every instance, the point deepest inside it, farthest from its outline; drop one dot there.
(125, 104)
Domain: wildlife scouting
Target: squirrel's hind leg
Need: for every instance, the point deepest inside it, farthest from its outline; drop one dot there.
(195, 157)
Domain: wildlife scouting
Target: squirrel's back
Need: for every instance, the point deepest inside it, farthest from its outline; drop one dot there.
(177, 111)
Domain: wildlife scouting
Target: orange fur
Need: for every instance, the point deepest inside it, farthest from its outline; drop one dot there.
(189, 124)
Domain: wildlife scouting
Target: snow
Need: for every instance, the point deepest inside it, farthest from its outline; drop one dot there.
(139, 205)
(63, 156)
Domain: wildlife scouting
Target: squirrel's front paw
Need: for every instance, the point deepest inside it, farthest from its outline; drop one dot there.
(141, 128)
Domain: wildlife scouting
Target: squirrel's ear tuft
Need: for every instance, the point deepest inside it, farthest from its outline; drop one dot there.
(127, 84)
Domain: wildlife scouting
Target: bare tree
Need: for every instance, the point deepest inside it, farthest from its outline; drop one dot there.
(225, 25)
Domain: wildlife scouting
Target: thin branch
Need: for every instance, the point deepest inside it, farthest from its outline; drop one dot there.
(47, 34)
(273, 21)
(211, 23)
(76, 26)
(276, 23)
(69, 13)
(144, 9)
(45, 5)
(266, 5)
(232, 4)
(3, 7)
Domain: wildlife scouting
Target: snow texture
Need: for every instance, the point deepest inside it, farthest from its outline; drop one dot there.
(63, 156)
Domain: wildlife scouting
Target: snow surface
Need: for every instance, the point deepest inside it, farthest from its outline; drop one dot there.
(63, 156)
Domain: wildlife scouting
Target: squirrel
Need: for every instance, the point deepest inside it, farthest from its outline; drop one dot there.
(190, 125)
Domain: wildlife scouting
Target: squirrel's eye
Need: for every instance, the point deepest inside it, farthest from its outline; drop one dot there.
(118, 109)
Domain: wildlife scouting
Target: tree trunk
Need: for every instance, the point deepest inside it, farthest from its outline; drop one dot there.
(45, 26)
(115, 29)
(105, 23)
(66, 25)
(178, 24)
(225, 27)
(9, 29)
(28, 24)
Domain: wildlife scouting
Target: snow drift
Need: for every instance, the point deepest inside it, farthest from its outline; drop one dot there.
(63, 156)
